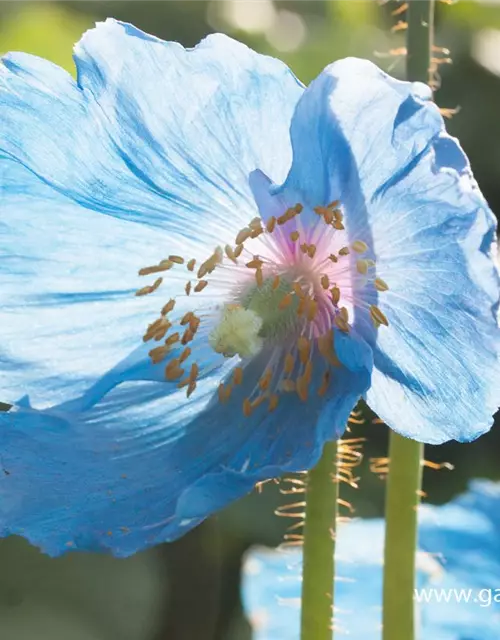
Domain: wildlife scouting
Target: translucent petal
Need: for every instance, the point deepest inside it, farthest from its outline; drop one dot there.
(379, 146)
(143, 465)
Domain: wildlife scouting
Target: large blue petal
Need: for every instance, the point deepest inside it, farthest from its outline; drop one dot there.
(464, 534)
(151, 131)
(379, 145)
(68, 276)
(144, 464)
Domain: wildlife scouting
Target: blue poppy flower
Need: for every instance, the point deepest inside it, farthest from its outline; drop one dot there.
(458, 578)
(296, 249)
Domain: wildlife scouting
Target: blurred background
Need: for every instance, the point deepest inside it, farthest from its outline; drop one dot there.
(190, 590)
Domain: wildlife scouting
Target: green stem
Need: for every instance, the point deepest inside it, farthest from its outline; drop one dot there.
(319, 547)
(420, 39)
(402, 500)
(404, 481)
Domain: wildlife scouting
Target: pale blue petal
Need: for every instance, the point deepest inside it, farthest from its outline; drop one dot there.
(144, 465)
(379, 146)
(151, 131)
(68, 276)
(463, 534)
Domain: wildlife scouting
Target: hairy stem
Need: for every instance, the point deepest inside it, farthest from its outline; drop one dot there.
(319, 547)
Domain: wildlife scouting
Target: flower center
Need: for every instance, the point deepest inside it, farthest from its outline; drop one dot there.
(283, 287)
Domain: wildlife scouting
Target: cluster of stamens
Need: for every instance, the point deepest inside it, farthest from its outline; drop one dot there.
(291, 285)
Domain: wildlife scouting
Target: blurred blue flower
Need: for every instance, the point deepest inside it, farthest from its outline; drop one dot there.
(268, 310)
(459, 565)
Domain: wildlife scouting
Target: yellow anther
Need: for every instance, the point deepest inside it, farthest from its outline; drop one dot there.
(247, 407)
(294, 236)
(378, 316)
(255, 223)
(328, 216)
(298, 289)
(324, 383)
(194, 323)
(168, 307)
(311, 250)
(159, 353)
(288, 385)
(172, 339)
(187, 288)
(289, 363)
(156, 284)
(200, 286)
(146, 271)
(302, 388)
(325, 281)
(304, 348)
(149, 288)
(334, 204)
(243, 235)
(167, 264)
(273, 402)
(265, 381)
(186, 318)
(400, 10)
(303, 304)
(203, 270)
(259, 277)
(325, 347)
(344, 251)
(271, 223)
(337, 224)
(230, 253)
(190, 265)
(238, 251)
(161, 331)
(217, 256)
(157, 329)
(256, 232)
(173, 371)
(195, 370)
(359, 246)
(304, 247)
(288, 215)
(370, 262)
(187, 336)
(223, 397)
(341, 323)
(381, 285)
(335, 291)
(176, 259)
(362, 266)
(285, 301)
(238, 375)
(191, 387)
(333, 258)
(312, 310)
(400, 26)
(344, 314)
(185, 354)
(256, 263)
(298, 208)
(276, 282)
